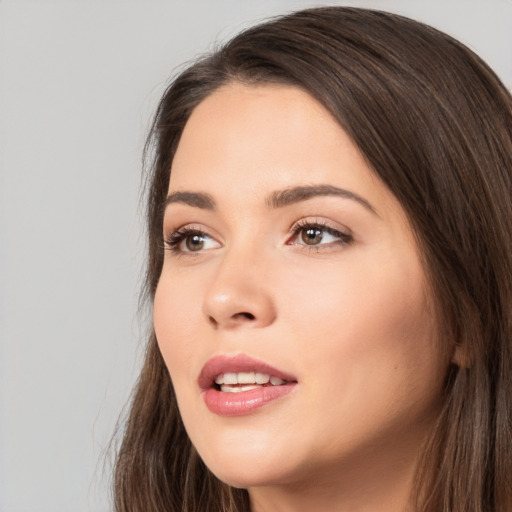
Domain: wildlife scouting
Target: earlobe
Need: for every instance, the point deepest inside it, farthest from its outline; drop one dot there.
(460, 356)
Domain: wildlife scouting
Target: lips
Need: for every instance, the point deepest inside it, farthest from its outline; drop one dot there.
(238, 385)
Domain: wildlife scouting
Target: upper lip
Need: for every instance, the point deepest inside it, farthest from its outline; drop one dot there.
(220, 364)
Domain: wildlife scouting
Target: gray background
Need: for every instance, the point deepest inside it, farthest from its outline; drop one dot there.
(78, 83)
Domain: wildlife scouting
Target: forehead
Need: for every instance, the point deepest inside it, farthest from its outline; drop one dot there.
(246, 141)
(265, 123)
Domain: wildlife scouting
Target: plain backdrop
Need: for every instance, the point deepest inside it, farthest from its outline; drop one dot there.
(79, 81)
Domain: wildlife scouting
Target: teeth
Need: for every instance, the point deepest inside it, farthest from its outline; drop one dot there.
(261, 378)
(237, 389)
(246, 378)
(231, 379)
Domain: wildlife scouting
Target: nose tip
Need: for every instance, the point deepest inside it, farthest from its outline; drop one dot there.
(232, 303)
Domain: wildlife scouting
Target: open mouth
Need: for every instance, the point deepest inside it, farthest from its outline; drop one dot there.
(239, 384)
(245, 381)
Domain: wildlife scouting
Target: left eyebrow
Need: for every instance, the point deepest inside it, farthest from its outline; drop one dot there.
(196, 199)
(294, 195)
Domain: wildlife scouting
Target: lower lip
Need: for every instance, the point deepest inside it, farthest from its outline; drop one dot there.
(238, 404)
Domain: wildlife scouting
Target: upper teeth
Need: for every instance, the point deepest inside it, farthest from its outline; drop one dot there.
(247, 378)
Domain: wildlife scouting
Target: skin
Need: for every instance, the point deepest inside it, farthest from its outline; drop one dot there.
(351, 318)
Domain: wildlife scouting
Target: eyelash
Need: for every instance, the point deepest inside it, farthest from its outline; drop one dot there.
(173, 241)
(304, 224)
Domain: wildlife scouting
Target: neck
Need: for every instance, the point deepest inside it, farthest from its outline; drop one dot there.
(363, 485)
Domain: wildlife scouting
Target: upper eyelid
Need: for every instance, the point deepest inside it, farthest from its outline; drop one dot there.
(189, 227)
(175, 238)
(321, 223)
(330, 226)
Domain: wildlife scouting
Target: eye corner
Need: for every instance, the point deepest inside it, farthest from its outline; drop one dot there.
(322, 235)
(190, 240)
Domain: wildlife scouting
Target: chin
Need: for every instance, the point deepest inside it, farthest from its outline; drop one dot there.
(252, 468)
(238, 480)
(246, 475)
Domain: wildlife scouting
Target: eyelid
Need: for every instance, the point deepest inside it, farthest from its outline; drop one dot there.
(173, 238)
(343, 233)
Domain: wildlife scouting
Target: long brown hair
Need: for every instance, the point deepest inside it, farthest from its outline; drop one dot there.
(435, 124)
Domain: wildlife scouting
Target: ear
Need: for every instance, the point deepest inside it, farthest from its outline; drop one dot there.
(460, 356)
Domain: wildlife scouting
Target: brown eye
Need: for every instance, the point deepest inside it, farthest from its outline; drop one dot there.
(312, 236)
(188, 240)
(194, 242)
(317, 236)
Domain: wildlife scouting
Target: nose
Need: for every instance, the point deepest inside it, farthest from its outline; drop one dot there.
(239, 295)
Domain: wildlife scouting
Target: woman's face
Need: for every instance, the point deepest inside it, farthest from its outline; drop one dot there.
(290, 267)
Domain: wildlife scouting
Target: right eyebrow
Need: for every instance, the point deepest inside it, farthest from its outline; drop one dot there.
(293, 195)
(197, 199)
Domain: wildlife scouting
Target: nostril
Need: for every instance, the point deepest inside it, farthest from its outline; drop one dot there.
(237, 317)
(249, 316)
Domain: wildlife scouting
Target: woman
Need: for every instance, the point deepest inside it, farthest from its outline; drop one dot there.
(329, 212)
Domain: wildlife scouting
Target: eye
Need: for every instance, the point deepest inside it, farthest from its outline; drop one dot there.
(188, 240)
(313, 235)
(318, 234)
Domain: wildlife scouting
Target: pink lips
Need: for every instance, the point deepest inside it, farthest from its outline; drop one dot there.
(245, 402)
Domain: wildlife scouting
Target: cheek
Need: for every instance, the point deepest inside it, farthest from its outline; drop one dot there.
(355, 294)
(174, 322)
(367, 325)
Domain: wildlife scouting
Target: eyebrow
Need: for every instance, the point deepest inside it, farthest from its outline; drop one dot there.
(278, 199)
(294, 195)
(197, 199)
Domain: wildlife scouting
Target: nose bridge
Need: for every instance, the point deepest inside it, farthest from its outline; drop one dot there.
(240, 293)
